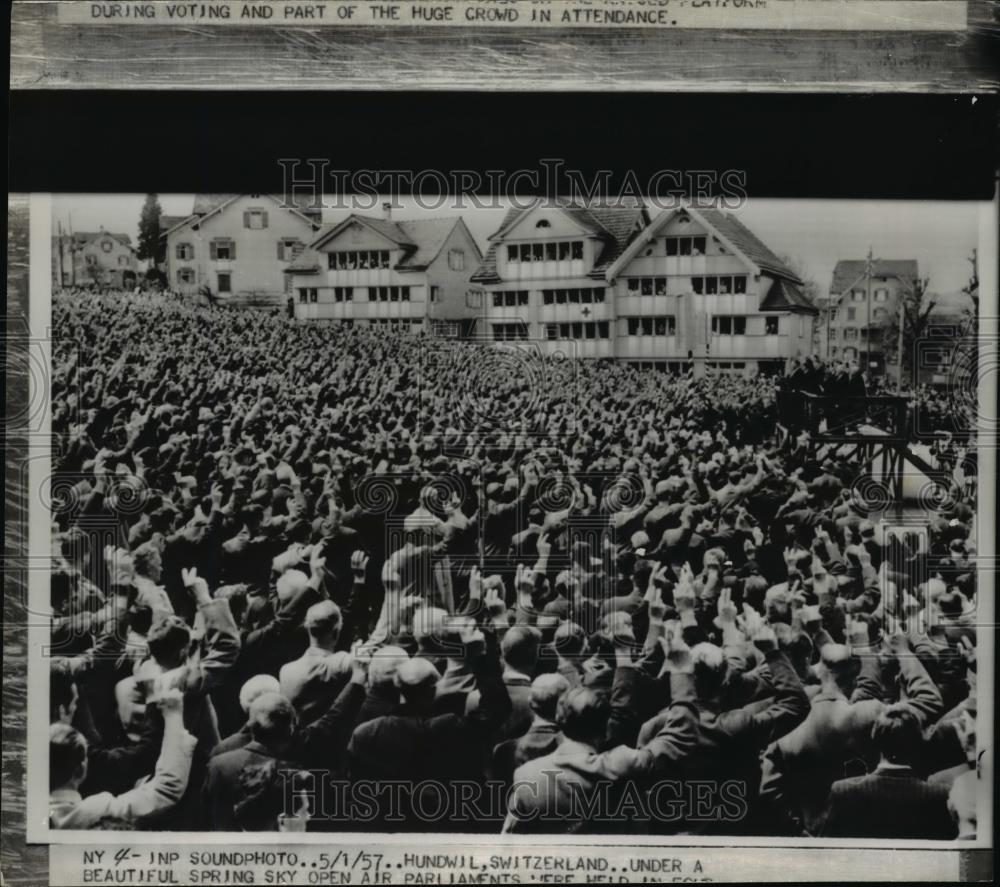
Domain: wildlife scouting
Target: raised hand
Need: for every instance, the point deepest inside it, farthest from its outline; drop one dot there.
(726, 609)
(475, 584)
(359, 565)
(677, 652)
(196, 585)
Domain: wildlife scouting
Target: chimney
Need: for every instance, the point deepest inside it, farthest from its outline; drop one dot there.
(387, 210)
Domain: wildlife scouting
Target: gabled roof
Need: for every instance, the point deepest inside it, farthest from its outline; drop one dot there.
(748, 243)
(614, 225)
(848, 272)
(420, 239)
(207, 205)
(84, 237)
(726, 228)
(168, 222)
(784, 295)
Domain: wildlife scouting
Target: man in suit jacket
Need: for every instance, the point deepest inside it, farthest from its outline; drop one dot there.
(258, 685)
(893, 803)
(800, 767)
(568, 790)
(415, 744)
(277, 738)
(543, 735)
(313, 681)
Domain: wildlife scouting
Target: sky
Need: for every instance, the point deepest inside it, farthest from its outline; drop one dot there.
(814, 233)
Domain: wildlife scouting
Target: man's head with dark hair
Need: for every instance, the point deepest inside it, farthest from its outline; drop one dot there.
(67, 757)
(520, 648)
(582, 714)
(168, 639)
(897, 734)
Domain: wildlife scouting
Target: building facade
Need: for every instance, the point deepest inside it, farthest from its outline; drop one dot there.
(691, 288)
(853, 316)
(408, 274)
(237, 245)
(94, 258)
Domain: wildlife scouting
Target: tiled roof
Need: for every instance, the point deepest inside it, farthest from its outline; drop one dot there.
(848, 271)
(168, 222)
(205, 203)
(615, 225)
(786, 296)
(82, 237)
(421, 240)
(748, 243)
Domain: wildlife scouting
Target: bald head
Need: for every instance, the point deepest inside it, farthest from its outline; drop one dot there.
(416, 679)
(546, 690)
(290, 583)
(384, 665)
(323, 621)
(837, 663)
(258, 685)
(271, 719)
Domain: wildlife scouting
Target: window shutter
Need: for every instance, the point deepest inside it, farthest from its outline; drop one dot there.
(213, 251)
(263, 217)
(246, 219)
(281, 251)
(177, 251)
(232, 250)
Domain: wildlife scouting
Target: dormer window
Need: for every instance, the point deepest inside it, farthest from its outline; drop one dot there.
(107, 246)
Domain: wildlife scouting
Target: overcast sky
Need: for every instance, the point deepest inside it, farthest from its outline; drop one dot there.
(816, 233)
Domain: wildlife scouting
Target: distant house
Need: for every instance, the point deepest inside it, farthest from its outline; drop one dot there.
(94, 258)
(236, 244)
(692, 288)
(853, 315)
(411, 274)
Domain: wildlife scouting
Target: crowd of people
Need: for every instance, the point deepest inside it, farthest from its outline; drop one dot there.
(320, 577)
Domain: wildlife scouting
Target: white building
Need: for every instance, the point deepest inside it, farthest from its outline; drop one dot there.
(412, 274)
(692, 287)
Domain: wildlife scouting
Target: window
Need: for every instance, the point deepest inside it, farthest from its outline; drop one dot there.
(879, 314)
(474, 298)
(833, 314)
(543, 223)
(771, 325)
(719, 285)
(225, 283)
(729, 325)
(551, 252)
(590, 330)
(858, 295)
(222, 250)
(385, 293)
(107, 246)
(343, 294)
(881, 295)
(303, 295)
(123, 261)
(663, 325)
(185, 275)
(850, 334)
(576, 249)
(184, 251)
(508, 332)
(313, 294)
(288, 249)
(456, 259)
(358, 260)
(435, 294)
(509, 298)
(851, 314)
(255, 219)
